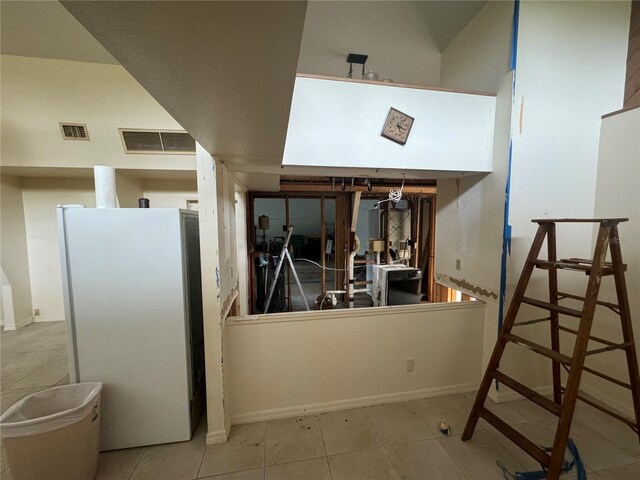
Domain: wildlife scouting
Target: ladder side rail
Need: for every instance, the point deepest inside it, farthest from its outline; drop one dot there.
(494, 361)
(579, 354)
(554, 322)
(625, 318)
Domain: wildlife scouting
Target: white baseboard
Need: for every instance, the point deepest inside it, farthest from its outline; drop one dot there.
(310, 409)
(220, 436)
(48, 318)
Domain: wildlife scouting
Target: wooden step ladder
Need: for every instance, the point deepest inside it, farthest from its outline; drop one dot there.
(564, 397)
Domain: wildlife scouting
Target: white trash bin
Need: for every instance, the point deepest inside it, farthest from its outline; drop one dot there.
(54, 434)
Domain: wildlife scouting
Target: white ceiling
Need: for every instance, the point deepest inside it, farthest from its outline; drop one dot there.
(224, 70)
(445, 19)
(47, 30)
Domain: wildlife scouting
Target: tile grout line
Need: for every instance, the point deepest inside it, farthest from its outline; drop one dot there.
(264, 453)
(384, 447)
(324, 445)
(135, 467)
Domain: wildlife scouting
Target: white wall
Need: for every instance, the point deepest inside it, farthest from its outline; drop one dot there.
(479, 56)
(618, 195)
(362, 229)
(304, 215)
(470, 210)
(570, 71)
(288, 364)
(13, 248)
(39, 93)
(338, 123)
(170, 193)
(41, 195)
(393, 34)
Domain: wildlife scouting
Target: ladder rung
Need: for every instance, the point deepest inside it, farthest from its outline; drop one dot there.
(580, 220)
(562, 265)
(531, 322)
(608, 348)
(547, 352)
(590, 262)
(612, 306)
(526, 392)
(552, 307)
(591, 337)
(516, 437)
(606, 377)
(363, 282)
(590, 401)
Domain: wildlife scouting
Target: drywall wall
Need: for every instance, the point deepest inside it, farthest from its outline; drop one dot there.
(13, 249)
(470, 210)
(304, 215)
(570, 71)
(210, 257)
(338, 123)
(128, 190)
(362, 229)
(170, 193)
(242, 249)
(41, 196)
(618, 195)
(39, 93)
(289, 364)
(405, 52)
(479, 56)
(227, 241)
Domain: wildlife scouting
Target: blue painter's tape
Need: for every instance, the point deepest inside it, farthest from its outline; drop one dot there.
(514, 35)
(506, 228)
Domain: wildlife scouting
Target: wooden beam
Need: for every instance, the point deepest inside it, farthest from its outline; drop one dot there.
(354, 212)
(432, 247)
(387, 250)
(416, 236)
(286, 209)
(323, 247)
(427, 190)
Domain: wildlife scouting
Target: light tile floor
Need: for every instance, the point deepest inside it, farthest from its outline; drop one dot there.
(394, 441)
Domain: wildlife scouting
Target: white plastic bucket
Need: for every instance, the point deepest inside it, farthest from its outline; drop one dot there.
(54, 434)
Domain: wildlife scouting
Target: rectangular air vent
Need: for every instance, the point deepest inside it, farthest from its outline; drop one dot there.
(157, 141)
(74, 131)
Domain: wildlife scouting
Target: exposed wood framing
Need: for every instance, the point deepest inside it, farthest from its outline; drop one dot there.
(286, 213)
(432, 246)
(375, 189)
(323, 244)
(387, 250)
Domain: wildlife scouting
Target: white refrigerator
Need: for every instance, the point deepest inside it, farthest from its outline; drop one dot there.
(133, 305)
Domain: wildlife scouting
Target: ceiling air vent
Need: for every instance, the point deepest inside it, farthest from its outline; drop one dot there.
(74, 131)
(157, 141)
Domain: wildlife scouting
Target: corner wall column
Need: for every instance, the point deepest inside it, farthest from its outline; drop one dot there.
(217, 422)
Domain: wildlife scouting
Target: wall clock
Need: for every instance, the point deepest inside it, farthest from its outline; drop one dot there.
(397, 126)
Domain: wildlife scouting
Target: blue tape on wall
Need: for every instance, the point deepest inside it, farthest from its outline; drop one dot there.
(506, 228)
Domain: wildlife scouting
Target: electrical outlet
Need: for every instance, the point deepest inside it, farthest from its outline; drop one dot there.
(458, 264)
(36, 312)
(411, 364)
